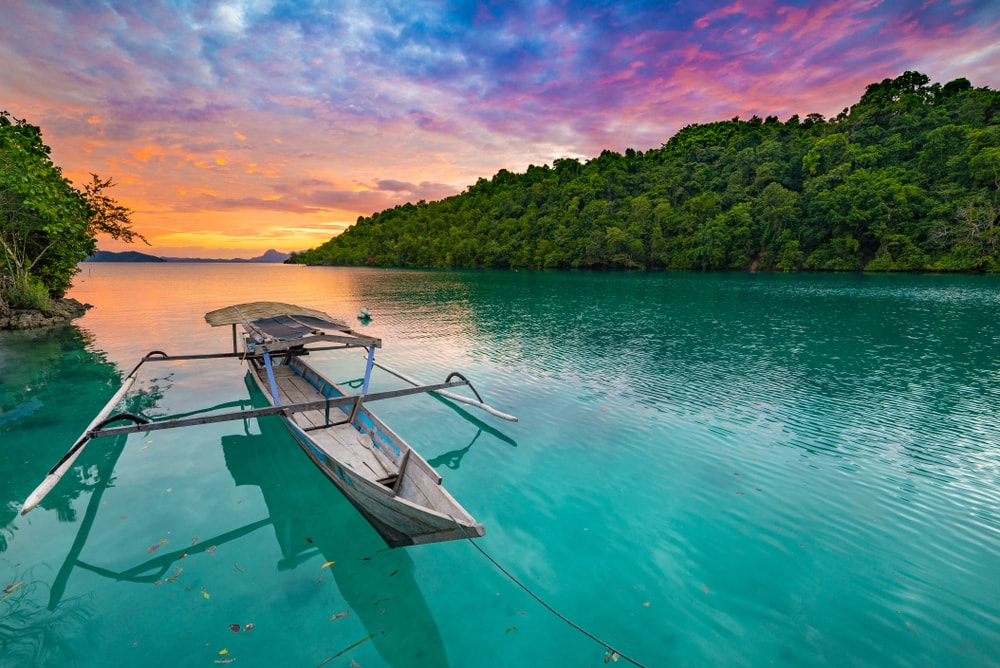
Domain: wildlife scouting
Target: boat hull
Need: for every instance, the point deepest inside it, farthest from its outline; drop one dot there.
(412, 508)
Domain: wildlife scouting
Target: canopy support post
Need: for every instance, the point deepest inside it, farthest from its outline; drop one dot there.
(270, 379)
(368, 370)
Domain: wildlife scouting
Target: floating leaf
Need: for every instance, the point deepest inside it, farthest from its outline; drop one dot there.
(11, 588)
(248, 627)
(328, 564)
(223, 651)
(211, 549)
(309, 540)
(183, 554)
(235, 628)
(339, 615)
(646, 604)
(705, 587)
(154, 548)
(511, 628)
(204, 593)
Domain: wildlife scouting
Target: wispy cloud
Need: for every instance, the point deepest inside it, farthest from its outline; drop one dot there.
(238, 117)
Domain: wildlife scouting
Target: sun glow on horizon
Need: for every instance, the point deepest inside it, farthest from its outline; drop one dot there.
(183, 119)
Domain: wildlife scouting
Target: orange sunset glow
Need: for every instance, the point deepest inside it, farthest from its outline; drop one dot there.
(237, 126)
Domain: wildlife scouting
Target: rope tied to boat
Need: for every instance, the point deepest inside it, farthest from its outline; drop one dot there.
(610, 652)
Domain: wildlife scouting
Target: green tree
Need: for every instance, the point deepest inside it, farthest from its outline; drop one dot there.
(46, 225)
(907, 179)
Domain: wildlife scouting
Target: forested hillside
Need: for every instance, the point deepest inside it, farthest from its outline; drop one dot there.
(908, 179)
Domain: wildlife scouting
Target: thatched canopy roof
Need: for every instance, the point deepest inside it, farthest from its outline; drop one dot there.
(239, 313)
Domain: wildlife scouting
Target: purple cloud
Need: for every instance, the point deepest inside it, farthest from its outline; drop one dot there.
(202, 108)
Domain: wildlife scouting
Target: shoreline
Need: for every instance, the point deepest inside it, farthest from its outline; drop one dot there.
(60, 312)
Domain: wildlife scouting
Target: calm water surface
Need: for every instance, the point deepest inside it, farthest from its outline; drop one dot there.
(709, 470)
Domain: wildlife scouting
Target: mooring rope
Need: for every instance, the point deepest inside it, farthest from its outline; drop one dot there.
(611, 652)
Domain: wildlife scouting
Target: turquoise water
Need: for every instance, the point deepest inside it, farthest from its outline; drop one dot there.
(709, 469)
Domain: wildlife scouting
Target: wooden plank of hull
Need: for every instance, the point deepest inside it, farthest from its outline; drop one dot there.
(398, 521)
(360, 465)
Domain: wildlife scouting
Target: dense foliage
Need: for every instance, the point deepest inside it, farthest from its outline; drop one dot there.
(47, 226)
(907, 179)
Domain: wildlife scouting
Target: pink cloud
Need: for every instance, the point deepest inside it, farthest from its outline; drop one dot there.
(323, 120)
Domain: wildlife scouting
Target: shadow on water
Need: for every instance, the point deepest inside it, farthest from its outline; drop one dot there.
(30, 634)
(309, 518)
(34, 405)
(37, 414)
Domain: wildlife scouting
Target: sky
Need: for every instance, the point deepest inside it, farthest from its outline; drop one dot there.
(236, 126)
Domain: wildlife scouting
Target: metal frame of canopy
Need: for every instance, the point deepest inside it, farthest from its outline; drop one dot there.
(315, 325)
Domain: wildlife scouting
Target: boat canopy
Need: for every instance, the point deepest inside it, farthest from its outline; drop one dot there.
(275, 326)
(289, 328)
(239, 314)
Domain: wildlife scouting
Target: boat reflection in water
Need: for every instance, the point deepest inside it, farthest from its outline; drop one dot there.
(311, 521)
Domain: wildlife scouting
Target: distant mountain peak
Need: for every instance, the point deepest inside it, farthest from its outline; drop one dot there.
(126, 256)
(270, 255)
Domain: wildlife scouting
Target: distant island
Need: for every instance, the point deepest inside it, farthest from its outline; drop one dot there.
(272, 256)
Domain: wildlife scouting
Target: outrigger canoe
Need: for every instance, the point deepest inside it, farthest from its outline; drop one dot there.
(388, 481)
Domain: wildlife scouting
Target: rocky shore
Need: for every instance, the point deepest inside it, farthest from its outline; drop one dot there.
(61, 311)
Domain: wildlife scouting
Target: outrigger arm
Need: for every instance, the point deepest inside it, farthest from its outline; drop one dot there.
(59, 470)
(143, 426)
(451, 395)
(98, 426)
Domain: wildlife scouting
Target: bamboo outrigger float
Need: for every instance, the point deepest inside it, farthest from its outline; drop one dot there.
(389, 483)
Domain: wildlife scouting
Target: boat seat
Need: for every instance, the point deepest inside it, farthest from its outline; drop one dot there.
(389, 481)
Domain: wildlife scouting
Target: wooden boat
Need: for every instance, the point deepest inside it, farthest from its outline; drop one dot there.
(386, 480)
(389, 483)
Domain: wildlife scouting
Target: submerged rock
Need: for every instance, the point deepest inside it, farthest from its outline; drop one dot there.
(61, 311)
